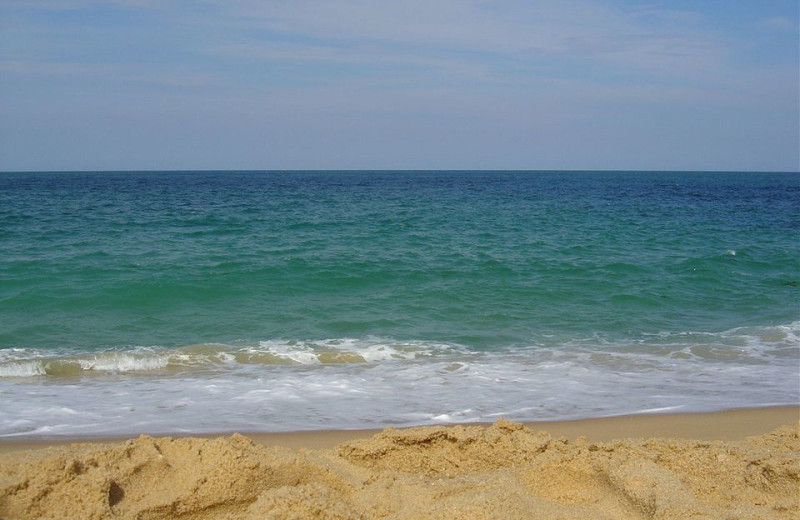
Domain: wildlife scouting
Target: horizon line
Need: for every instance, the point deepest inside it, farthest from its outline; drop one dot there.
(399, 170)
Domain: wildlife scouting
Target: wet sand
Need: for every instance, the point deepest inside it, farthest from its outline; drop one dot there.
(742, 464)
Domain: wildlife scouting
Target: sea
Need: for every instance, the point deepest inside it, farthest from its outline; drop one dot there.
(265, 301)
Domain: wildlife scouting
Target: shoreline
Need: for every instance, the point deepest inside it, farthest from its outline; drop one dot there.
(723, 425)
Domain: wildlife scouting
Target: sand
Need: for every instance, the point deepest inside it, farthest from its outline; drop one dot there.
(504, 471)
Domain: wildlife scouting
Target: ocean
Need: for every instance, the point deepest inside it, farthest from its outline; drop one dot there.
(199, 302)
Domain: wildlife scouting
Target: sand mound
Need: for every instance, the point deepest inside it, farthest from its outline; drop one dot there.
(448, 452)
(503, 471)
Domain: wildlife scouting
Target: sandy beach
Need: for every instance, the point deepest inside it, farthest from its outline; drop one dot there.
(736, 464)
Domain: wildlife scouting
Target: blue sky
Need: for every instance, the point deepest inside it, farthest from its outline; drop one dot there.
(406, 84)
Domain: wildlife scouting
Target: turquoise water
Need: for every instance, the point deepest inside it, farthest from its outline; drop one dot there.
(292, 280)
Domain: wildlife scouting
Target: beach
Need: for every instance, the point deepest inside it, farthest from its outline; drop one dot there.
(352, 260)
(734, 464)
(399, 345)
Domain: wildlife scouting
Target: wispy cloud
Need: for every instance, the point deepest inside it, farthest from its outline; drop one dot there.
(778, 23)
(526, 31)
(533, 78)
(468, 39)
(71, 5)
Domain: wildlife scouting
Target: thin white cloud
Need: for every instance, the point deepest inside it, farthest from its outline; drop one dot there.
(471, 39)
(778, 23)
(105, 72)
(571, 27)
(45, 69)
(70, 5)
(363, 55)
(465, 38)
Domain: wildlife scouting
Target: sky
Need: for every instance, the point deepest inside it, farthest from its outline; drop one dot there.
(401, 84)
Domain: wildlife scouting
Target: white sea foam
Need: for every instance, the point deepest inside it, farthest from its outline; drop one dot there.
(123, 363)
(373, 382)
(32, 363)
(297, 352)
(21, 369)
(349, 350)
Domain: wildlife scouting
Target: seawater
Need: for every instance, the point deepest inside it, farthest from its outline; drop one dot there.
(167, 302)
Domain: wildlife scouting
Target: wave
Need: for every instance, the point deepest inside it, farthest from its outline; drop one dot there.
(280, 385)
(745, 345)
(21, 363)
